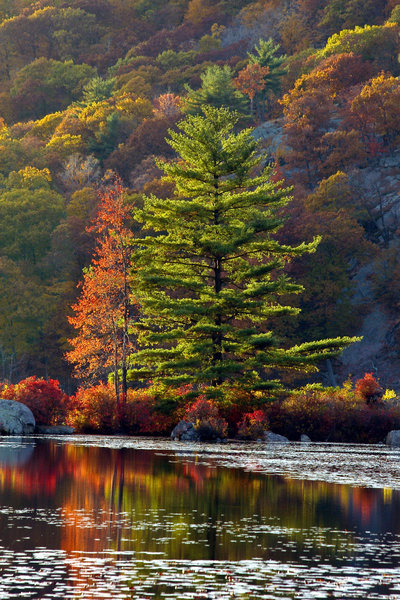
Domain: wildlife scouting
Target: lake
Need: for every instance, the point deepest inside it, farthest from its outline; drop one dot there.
(132, 518)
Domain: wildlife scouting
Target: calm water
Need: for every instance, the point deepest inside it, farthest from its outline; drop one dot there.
(95, 518)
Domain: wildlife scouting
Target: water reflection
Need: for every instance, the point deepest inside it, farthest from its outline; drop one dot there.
(77, 521)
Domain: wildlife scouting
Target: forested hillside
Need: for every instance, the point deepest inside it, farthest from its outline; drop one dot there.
(88, 92)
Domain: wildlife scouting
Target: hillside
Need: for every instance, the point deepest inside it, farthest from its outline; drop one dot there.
(89, 90)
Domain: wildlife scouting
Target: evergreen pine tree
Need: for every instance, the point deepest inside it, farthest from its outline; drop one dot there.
(209, 273)
(216, 90)
(266, 56)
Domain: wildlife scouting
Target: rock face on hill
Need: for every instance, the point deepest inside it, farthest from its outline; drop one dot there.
(15, 418)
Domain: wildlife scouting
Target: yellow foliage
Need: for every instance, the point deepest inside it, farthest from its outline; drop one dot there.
(44, 128)
(65, 145)
(30, 178)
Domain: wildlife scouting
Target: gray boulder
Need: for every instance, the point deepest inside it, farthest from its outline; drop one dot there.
(15, 418)
(54, 429)
(305, 439)
(393, 438)
(275, 438)
(185, 432)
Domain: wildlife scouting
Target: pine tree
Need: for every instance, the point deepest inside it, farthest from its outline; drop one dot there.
(209, 273)
(266, 56)
(216, 90)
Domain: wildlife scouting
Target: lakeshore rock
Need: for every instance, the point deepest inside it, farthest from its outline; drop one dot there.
(185, 432)
(15, 418)
(305, 439)
(54, 429)
(275, 438)
(393, 438)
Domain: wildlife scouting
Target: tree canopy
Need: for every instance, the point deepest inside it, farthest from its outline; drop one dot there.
(209, 270)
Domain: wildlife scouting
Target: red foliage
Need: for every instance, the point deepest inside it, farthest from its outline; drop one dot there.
(205, 417)
(253, 425)
(336, 415)
(94, 410)
(368, 389)
(143, 417)
(46, 400)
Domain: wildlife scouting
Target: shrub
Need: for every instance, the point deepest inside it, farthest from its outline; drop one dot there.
(253, 425)
(334, 414)
(144, 415)
(94, 410)
(46, 400)
(236, 403)
(205, 417)
(369, 389)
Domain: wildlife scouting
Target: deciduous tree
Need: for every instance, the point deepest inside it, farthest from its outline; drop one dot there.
(105, 307)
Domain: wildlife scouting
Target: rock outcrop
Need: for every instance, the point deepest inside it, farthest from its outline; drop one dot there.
(275, 438)
(393, 438)
(16, 418)
(185, 432)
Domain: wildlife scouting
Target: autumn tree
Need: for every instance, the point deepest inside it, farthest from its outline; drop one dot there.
(105, 307)
(266, 55)
(307, 120)
(375, 111)
(251, 80)
(209, 270)
(329, 305)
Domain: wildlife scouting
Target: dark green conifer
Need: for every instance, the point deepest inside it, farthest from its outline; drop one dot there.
(209, 272)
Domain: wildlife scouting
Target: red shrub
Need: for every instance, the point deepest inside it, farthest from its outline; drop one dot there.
(143, 415)
(253, 425)
(369, 389)
(205, 417)
(336, 415)
(94, 409)
(46, 400)
(237, 402)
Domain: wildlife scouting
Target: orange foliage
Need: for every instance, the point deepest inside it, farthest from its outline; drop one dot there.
(251, 79)
(375, 111)
(105, 306)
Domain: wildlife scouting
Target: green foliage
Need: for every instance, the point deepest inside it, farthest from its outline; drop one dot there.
(48, 85)
(379, 44)
(210, 273)
(28, 218)
(265, 54)
(98, 89)
(216, 90)
(343, 14)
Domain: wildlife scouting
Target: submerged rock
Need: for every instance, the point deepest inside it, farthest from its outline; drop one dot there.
(275, 438)
(185, 432)
(54, 429)
(15, 418)
(393, 438)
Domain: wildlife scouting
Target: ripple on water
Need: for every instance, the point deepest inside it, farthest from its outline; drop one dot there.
(374, 465)
(365, 564)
